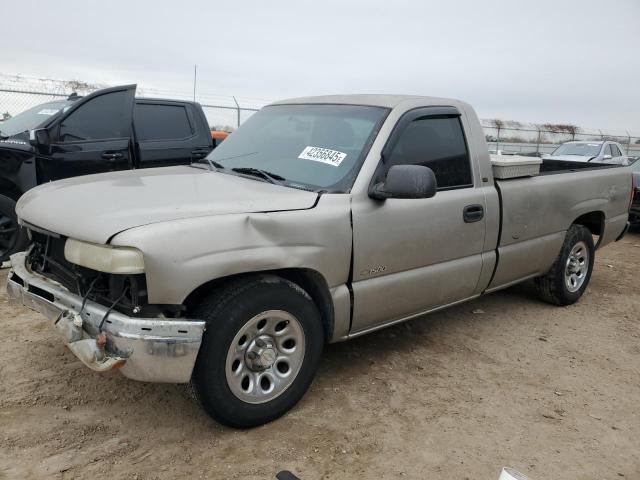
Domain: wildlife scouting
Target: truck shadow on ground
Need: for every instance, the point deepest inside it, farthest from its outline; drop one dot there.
(425, 330)
(357, 358)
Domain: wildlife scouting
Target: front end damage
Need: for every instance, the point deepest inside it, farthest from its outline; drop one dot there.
(147, 349)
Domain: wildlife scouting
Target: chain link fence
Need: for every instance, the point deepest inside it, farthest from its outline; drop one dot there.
(18, 93)
(534, 140)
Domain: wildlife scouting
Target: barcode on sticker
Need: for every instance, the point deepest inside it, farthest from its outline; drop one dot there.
(324, 155)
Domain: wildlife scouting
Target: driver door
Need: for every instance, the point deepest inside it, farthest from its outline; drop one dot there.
(413, 255)
(93, 136)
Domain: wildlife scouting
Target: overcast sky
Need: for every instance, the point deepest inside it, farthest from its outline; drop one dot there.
(572, 61)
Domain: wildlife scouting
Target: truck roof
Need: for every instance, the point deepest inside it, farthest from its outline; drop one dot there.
(164, 100)
(374, 100)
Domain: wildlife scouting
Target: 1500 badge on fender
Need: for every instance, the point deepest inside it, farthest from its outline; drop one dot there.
(373, 271)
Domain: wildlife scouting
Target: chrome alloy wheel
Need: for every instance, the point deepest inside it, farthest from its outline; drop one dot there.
(265, 356)
(577, 267)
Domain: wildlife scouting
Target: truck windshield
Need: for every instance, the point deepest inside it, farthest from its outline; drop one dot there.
(317, 147)
(580, 149)
(32, 118)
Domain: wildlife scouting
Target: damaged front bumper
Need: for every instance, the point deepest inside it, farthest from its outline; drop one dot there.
(146, 349)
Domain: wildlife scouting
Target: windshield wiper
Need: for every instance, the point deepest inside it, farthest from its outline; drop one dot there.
(257, 172)
(215, 165)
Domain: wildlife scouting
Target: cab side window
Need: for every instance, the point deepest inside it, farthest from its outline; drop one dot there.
(161, 122)
(102, 118)
(437, 143)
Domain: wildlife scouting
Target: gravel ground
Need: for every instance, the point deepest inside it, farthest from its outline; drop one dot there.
(503, 380)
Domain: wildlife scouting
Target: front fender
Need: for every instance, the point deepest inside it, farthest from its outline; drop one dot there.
(184, 254)
(17, 168)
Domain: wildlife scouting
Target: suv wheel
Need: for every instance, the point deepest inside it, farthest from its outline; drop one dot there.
(12, 238)
(260, 351)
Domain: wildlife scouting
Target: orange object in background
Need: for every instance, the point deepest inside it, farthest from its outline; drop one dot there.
(219, 135)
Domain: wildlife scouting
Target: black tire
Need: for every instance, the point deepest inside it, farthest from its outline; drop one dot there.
(13, 238)
(553, 287)
(226, 312)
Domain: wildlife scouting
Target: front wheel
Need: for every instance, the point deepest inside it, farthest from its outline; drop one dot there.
(12, 238)
(569, 276)
(261, 349)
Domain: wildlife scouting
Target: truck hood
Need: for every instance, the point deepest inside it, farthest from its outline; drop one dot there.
(96, 207)
(15, 143)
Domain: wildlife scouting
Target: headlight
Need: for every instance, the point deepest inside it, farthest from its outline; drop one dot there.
(104, 258)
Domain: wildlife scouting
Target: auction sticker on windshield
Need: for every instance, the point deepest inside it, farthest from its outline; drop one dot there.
(324, 155)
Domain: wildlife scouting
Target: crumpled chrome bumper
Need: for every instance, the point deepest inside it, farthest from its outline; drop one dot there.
(146, 349)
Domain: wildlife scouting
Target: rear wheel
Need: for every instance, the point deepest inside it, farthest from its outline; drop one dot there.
(260, 351)
(569, 276)
(12, 238)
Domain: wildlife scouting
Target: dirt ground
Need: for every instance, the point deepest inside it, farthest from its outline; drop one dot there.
(504, 380)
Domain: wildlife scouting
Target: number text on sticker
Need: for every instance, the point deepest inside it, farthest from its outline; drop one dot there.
(324, 155)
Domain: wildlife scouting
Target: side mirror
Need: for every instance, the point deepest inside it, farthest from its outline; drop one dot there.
(607, 157)
(406, 181)
(39, 138)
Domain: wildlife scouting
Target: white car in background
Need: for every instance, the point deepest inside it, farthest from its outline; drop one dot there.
(594, 152)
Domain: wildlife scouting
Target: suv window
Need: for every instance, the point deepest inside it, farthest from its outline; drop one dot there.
(101, 118)
(437, 143)
(607, 150)
(161, 122)
(615, 151)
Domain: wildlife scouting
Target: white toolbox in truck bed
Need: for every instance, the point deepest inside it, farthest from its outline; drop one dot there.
(515, 166)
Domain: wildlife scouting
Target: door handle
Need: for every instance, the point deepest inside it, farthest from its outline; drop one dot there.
(111, 155)
(473, 213)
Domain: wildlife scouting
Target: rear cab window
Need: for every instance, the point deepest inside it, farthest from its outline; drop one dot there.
(155, 121)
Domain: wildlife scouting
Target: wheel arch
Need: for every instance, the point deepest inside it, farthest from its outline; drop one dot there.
(10, 189)
(593, 221)
(311, 281)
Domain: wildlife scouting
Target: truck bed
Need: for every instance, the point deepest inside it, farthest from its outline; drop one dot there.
(535, 213)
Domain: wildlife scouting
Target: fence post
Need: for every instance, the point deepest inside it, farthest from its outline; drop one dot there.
(238, 108)
(538, 142)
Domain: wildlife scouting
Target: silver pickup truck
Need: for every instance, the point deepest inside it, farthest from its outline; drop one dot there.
(319, 220)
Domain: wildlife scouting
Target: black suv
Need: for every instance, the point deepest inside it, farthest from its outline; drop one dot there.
(107, 130)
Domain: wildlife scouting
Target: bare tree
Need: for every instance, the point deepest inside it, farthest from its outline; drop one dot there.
(568, 129)
(75, 85)
(498, 125)
(564, 128)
